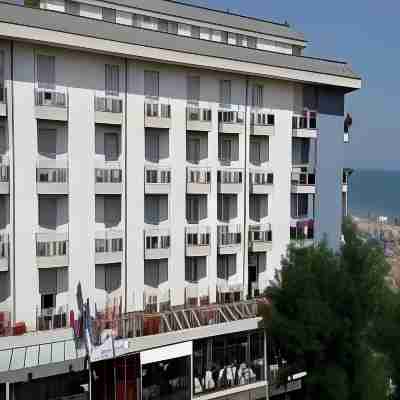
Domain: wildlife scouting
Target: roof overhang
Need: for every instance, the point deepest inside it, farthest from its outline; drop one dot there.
(62, 30)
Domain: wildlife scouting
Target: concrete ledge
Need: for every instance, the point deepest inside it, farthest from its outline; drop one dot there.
(108, 258)
(305, 133)
(200, 126)
(231, 128)
(51, 113)
(3, 109)
(197, 251)
(52, 188)
(198, 188)
(108, 188)
(259, 130)
(261, 189)
(108, 118)
(4, 187)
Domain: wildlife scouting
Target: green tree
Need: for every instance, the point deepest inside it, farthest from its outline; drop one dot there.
(322, 313)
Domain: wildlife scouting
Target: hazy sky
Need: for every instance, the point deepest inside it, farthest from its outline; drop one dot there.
(366, 33)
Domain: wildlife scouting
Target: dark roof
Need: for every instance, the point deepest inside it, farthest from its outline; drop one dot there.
(203, 14)
(62, 22)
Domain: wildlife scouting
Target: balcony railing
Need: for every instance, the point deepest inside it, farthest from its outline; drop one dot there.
(108, 175)
(198, 114)
(303, 178)
(157, 110)
(229, 293)
(52, 175)
(231, 117)
(199, 176)
(4, 249)
(52, 318)
(262, 119)
(261, 178)
(156, 300)
(109, 241)
(108, 104)
(4, 170)
(308, 120)
(197, 295)
(229, 235)
(51, 98)
(230, 177)
(157, 175)
(51, 245)
(303, 230)
(260, 233)
(198, 236)
(155, 241)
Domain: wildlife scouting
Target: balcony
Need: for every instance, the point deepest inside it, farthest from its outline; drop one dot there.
(198, 180)
(51, 104)
(197, 241)
(108, 180)
(305, 125)
(231, 121)
(52, 180)
(260, 238)
(157, 115)
(52, 318)
(52, 250)
(3, 101)
(197, 295)
(345, 181)
(230, 181)
(229, 293)
(157, 244)
(157, 180)
(302, 233)
(4, 175)
(108, 110)
(4, 252)
(303, 181)
(229, 239)
(156, 300)
(109, 246)
(262, 123)
(198, 119)
(261, 182)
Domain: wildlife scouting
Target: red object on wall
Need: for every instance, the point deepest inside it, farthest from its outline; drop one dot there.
(19, 328)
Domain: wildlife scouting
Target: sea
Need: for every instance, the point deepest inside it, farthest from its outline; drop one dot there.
(374, 193)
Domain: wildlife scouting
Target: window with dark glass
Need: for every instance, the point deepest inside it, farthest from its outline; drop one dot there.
(109, 15)
(195, 32)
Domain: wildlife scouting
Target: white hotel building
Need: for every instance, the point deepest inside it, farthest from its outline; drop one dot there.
(161, 154)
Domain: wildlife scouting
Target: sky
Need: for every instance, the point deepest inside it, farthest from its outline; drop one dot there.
(365, 33)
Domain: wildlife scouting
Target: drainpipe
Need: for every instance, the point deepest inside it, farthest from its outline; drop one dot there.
(245, 177)
(125, 187)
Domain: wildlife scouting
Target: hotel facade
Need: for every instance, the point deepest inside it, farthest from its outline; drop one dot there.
(161, 157)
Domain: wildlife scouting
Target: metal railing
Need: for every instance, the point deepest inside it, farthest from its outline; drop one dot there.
(157, 239)
(229, 235)
(303, 178)
(108, 175)
(52, 175)
(261, 178)
(109, 241)
(230, 117)
(156, 300)
(198, 114)
(51, 245)
(156, 175)
(230, 177)
(108, 104)
(262, 118)
(4, 173)
(157, 110)
(308, 120)
(303, 230)
(198, 236)
(199, 175)
(52, 318)
(260, 233)
(51, 97)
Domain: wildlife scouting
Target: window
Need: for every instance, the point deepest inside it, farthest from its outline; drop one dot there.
(73, 7)
(152, 146)
(195, 32)
(225, 93)
(226, 207)
(163, 25)
(2, 58)
(251, 42)
(300, 151)
(239, 39)
(258, 207)
(112, 80)
(53, 281)
(258, 96)
(196, 208)
(226, 266)
(108, 277)
(227, 148)
(224, 37)
(46, 74)
(156, 209)
(299, 205)
(193, 149)
(259, 149)
(195, 269)
(151, 84)
(193, 89)
(173, 27)
(109, 15)
(155, 272)
(47, 301)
